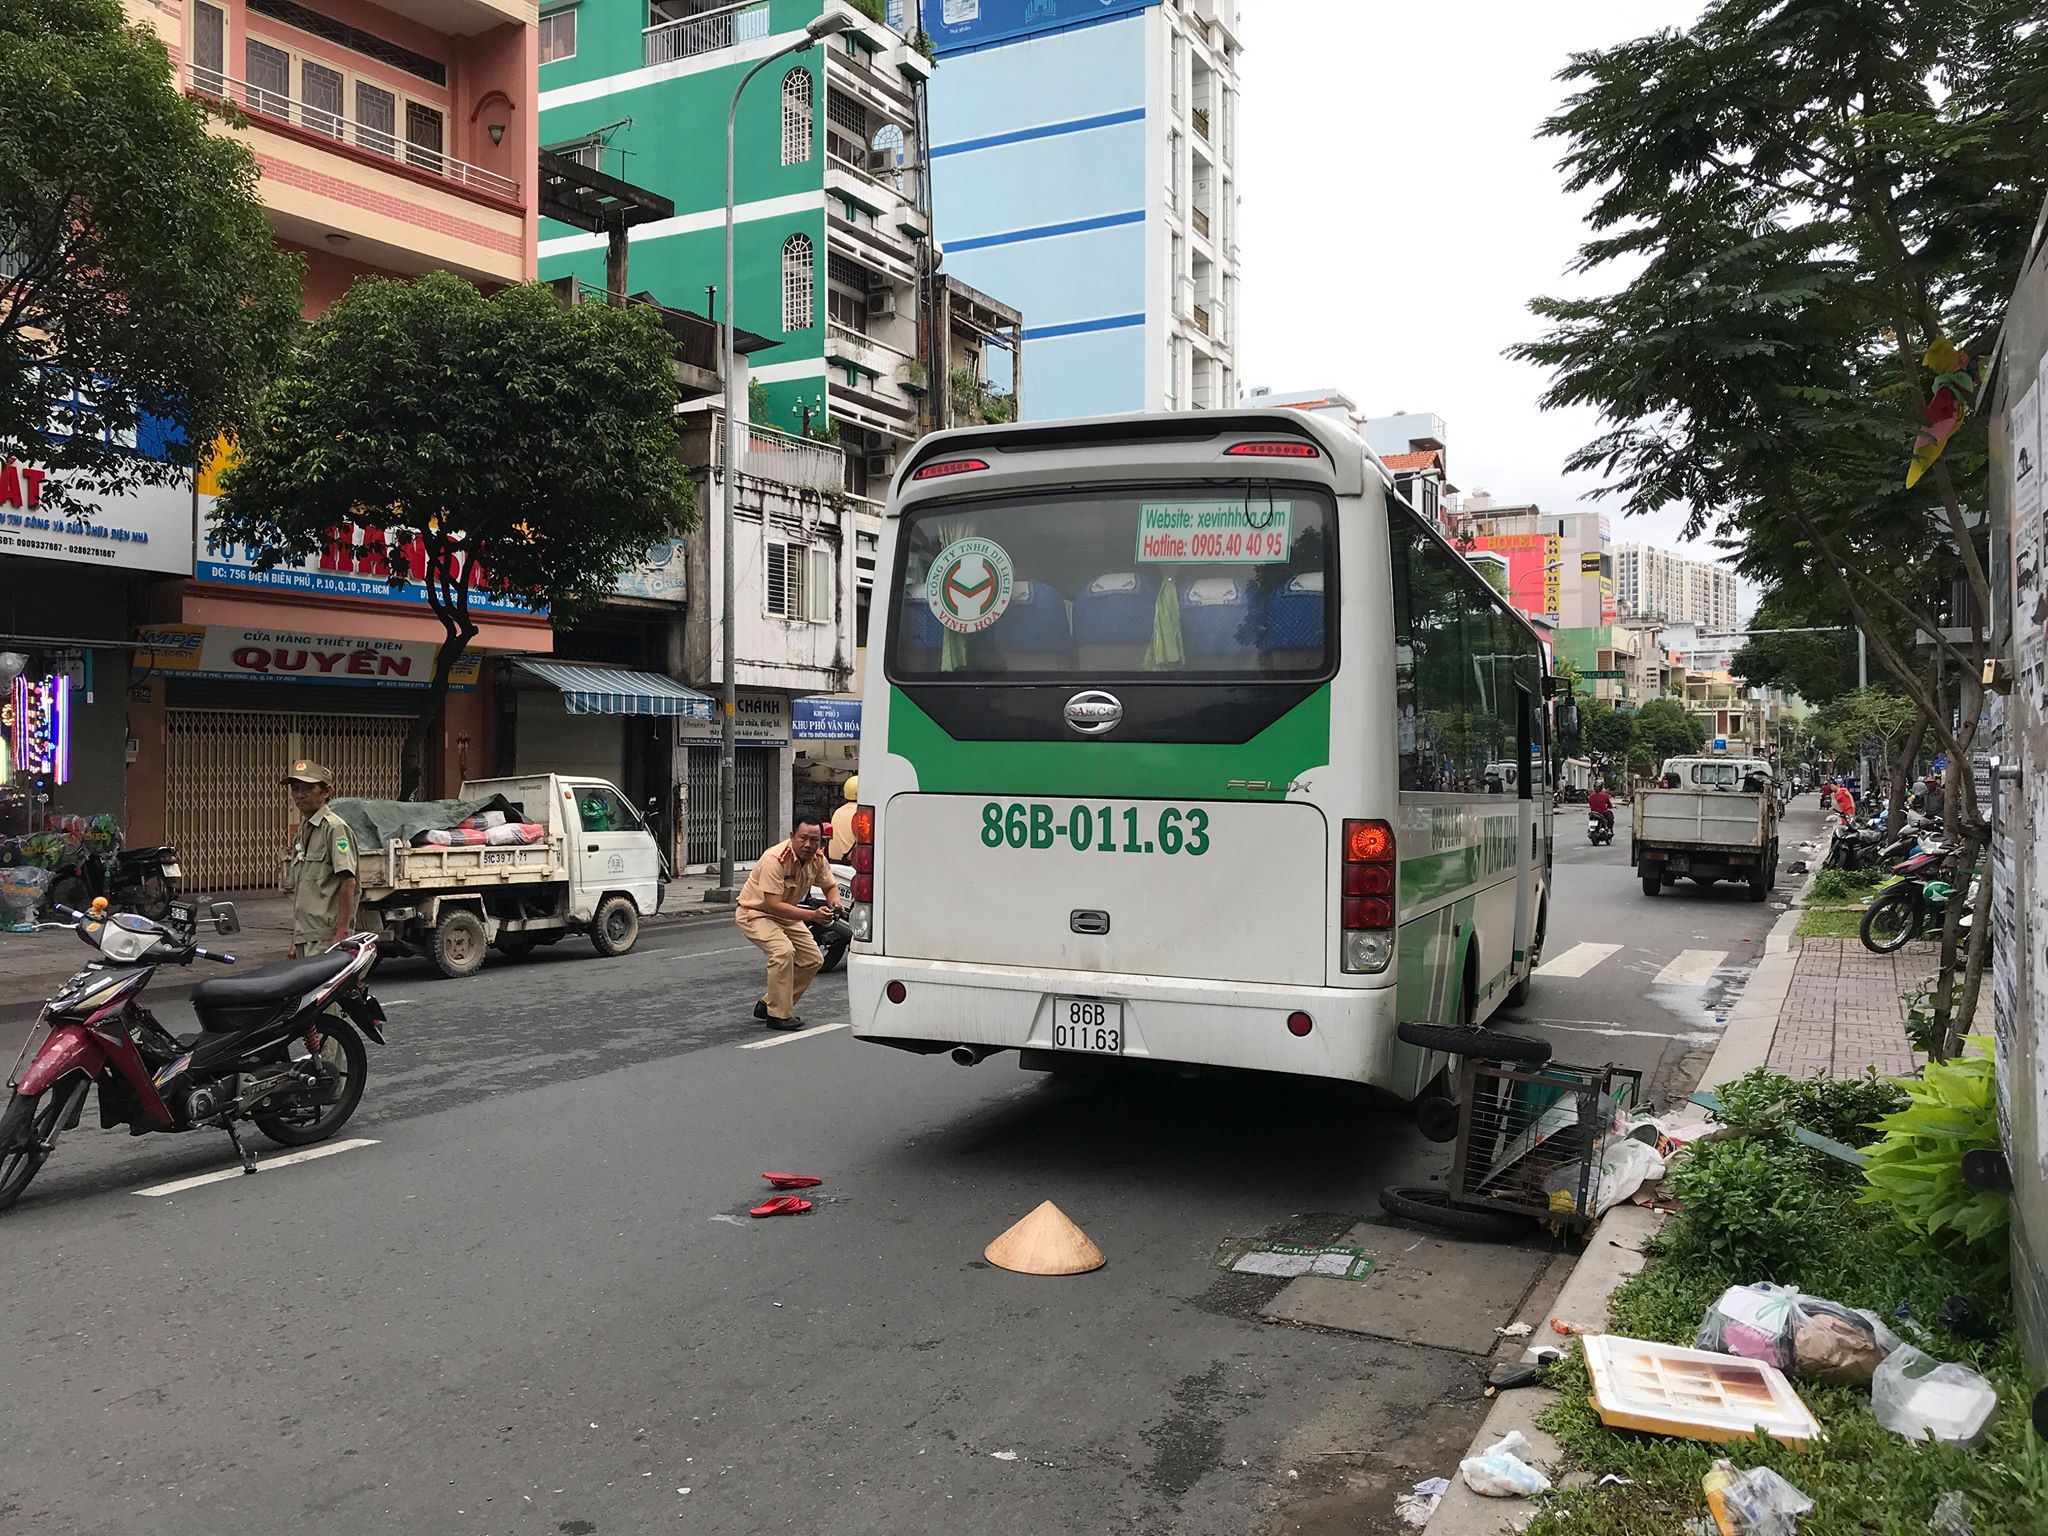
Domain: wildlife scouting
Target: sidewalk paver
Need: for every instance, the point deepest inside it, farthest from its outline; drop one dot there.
(1843, 1011)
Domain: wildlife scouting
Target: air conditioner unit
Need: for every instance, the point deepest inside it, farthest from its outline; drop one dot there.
(880, 465)
(882, 159)
(882, 301)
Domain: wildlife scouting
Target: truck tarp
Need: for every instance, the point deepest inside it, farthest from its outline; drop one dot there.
(377, 822)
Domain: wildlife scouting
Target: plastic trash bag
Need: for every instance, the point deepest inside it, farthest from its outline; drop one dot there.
(1915, 1395)
(1951, 1516)
(1757, 1502)
(22, 889)
(1499, 1471)
(1804, 1335)
(1625, 1167)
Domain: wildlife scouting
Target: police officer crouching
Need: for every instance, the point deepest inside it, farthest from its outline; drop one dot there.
(322, 874)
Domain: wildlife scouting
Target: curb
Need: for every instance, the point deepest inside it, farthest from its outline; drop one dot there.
(1614, 1252)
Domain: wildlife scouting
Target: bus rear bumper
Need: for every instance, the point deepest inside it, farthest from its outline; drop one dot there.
(1165, 1020)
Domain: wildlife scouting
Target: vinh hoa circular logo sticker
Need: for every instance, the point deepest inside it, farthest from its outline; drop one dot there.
(969, 585)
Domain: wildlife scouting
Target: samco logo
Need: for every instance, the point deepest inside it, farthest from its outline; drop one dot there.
(969, 585)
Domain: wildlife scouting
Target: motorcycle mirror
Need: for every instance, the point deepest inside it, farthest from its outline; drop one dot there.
(225, 919)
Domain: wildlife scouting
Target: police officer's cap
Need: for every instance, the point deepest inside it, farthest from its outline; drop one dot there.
(303, 772)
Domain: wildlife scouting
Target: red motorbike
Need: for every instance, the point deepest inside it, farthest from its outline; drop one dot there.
(278, 1047)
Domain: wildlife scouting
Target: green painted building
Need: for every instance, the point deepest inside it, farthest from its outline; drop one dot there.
(832, 244)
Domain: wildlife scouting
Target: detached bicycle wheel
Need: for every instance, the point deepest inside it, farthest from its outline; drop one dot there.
(1429, 1206)
(1892, 921)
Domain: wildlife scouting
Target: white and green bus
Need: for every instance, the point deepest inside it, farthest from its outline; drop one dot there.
(1181, 742)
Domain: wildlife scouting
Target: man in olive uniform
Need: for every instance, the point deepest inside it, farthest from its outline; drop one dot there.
(770, 917)
(322, 874)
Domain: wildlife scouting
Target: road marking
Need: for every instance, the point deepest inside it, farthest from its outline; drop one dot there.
(1692, 968)
(1577, 960)
(310, 1154)
(800, 1034)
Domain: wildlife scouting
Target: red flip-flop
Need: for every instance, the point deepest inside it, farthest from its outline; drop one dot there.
(792, 1180)
(781, 1205)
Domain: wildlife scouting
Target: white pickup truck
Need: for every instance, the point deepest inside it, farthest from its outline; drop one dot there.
(596, 871)
(1708, 819)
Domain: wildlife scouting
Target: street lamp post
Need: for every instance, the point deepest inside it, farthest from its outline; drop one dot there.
(819, 29)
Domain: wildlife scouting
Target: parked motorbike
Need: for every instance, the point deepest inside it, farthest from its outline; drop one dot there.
(145, 880)
(833, 937)
(1902, 909)
(1599, 830)
(280, 1047)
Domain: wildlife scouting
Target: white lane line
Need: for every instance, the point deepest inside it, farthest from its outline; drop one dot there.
(1577, 960)
(798, 1034)
(220, 1175)
(1692, 968)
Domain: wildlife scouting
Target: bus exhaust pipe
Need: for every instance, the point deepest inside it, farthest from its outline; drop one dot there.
(973, 1055)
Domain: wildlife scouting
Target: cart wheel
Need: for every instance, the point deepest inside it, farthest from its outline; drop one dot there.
(1437, 1119)
(1487, 1044)
(1429, 1206)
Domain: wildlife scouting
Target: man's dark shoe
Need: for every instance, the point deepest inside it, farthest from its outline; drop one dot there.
(761, 1009)
(794, 1021)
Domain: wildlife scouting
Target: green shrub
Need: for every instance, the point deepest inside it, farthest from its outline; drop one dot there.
(1847, 884)
(1916, 1166)
(1766, 1103)
(1750, 1203)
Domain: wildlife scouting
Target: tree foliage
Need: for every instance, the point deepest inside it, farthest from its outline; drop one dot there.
(134, 258)
(1810, 192)
(1668, 730)
(502, 445)
(1815, 667)
(1607, 732)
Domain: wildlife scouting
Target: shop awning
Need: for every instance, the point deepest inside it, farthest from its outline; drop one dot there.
(588, 690)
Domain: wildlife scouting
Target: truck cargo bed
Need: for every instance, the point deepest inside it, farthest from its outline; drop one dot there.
(402, 867)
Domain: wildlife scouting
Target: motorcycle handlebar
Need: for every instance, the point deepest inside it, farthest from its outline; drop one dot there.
(207, 954)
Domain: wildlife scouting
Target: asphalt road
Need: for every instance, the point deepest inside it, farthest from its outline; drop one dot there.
(535, 1303)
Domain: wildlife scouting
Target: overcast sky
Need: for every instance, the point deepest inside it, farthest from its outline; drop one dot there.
(1400, 212)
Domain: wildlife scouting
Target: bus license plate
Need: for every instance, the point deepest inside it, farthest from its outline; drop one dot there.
(1087, 1024)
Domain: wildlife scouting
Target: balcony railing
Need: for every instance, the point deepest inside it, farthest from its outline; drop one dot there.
(768, 454)
(707, 32)
(1200, 118)
(1201, 318)
(1201, 223)
(262, 103)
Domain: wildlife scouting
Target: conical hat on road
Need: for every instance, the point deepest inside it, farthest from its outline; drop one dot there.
(1045, 1243)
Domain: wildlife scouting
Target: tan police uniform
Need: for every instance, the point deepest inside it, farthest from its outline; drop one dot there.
(793, 955)
(323, 855)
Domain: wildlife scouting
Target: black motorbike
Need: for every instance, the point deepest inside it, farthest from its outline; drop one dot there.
(1599, 828)
(145, 880)
(832, 937)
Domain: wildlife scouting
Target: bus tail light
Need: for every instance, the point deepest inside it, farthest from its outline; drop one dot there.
(1299, 1024)
(1368, 896)
(947, 467)
(862, 914)
(1269, 450)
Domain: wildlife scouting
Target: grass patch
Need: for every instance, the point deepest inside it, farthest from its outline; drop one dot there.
(1830, 922)
(1862, 1478)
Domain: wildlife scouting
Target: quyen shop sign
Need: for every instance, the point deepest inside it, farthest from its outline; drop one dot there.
(223, 652)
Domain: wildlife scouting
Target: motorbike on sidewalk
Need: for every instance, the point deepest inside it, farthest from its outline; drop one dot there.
(145, 880)
(280, 1047)
(835, 936)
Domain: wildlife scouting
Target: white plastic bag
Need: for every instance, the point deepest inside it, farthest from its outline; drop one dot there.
(1920, 1397)
(1756, 1502)
(1499, 1471)
(1625, 1167)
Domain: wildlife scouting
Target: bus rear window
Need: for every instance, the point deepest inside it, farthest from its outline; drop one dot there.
(1181, 581)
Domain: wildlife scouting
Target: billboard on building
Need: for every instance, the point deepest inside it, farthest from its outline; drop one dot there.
(956, 25)
(1532, 568)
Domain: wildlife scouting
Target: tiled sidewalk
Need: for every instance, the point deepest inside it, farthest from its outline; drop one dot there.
(1842, 1012)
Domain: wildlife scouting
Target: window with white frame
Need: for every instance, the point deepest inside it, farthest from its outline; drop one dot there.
(558, 35)
(798, 283)
(799, 583)
(796, 117)
(320, 96)
(1173, 270)
(1173, 170)
(1176, 62)
(209, 47)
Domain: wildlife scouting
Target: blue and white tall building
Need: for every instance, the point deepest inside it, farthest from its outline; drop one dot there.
(1084, 166)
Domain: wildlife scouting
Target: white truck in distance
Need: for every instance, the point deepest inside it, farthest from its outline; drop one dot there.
(596, 872)
(1708, 819)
